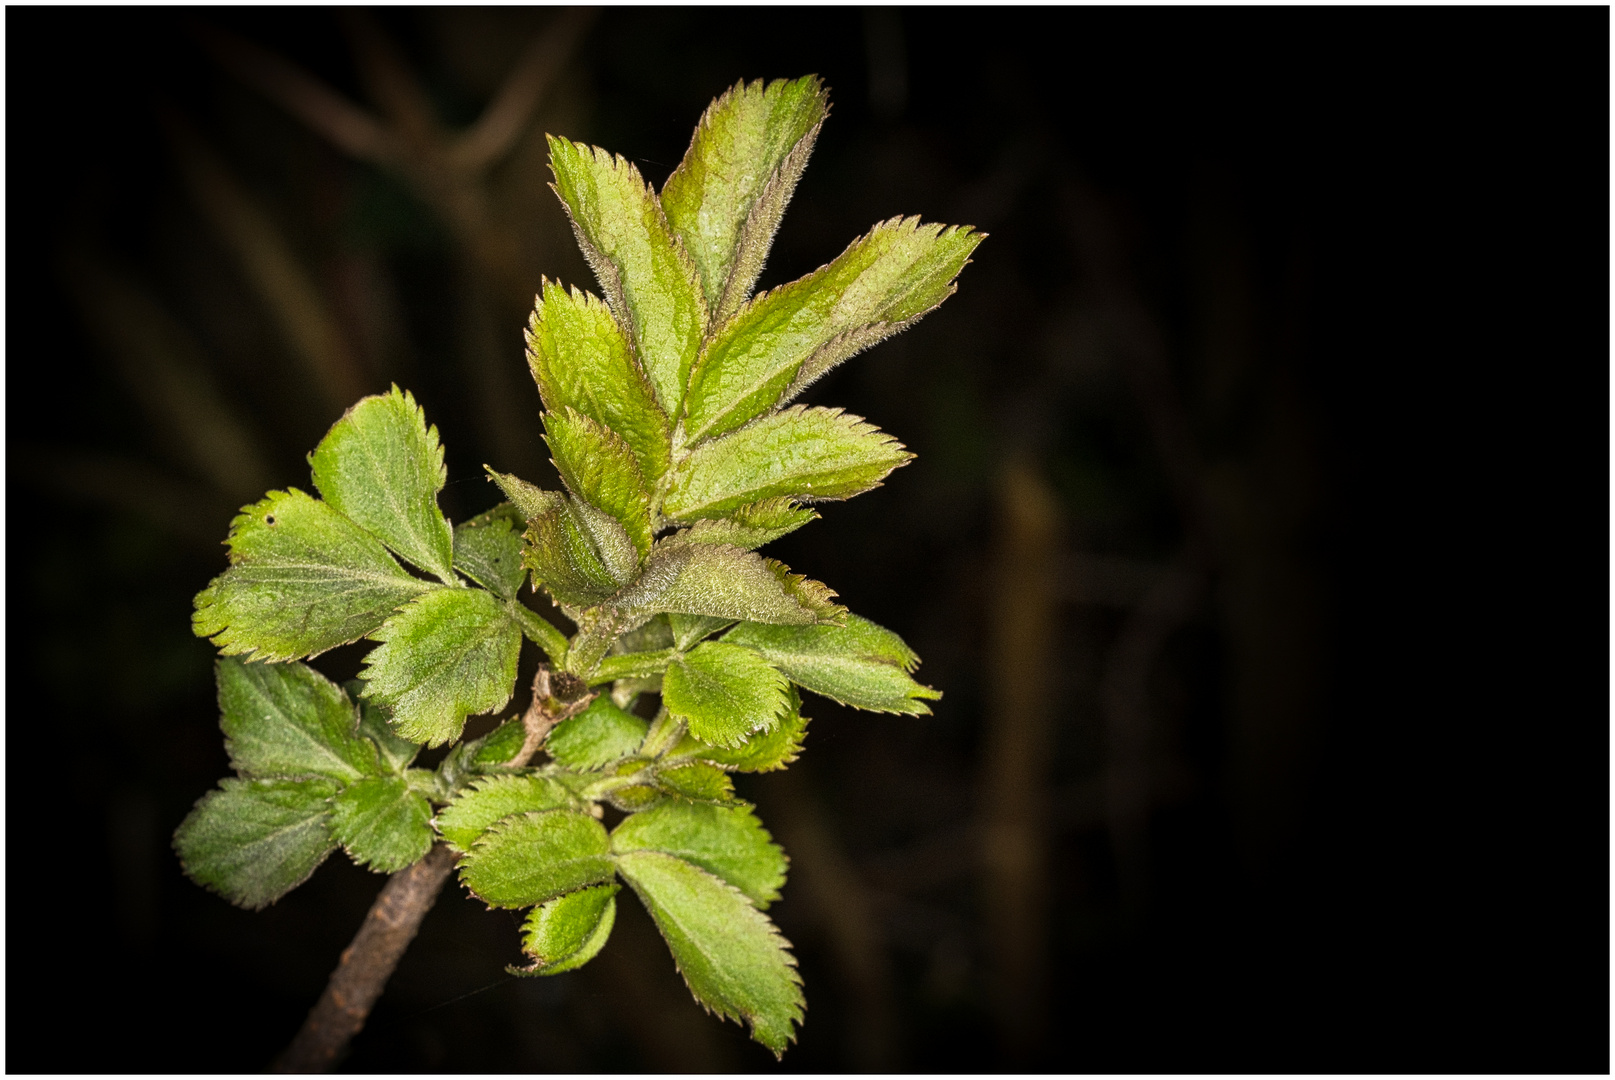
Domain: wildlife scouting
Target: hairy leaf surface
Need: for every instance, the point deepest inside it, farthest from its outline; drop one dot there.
(727, 841)
(381, 823)
(567, 932)
(530, 501)
(645, 273)
(488, 550)
(689, 629)
(697, 782)
(396, 752)
(579, 554)
(536, 857)
(765, 751)
(599, 468)
(595, 737)
(724, 692)
(750, 526)
(858, 663)
(806, 453)
(289, 720)
(450, 654)
(302, 579)
(253, 841)
(731, 956)
(382, 467)
(489, 800)
(725, 583)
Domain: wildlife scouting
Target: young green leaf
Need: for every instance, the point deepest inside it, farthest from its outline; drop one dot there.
(632, 665)
(751, 526)
(289, 720)
(567, 932)
(806, 453)
(382, 467)
(733, 959)
(725, 583)
(596, 737)
(765, 751)
(689, 629)
(858, 664)
(536, 857)
(645, 273)
(579, 554)
(494, 798)
(598, 467)
(396, 752)
(697, 782)
(488, 550)
(727, 841)
(582, 360)
(530, 502)
(254, 841)
(724, 693)
(302, 579)
(381, 823)
(499, 747)
(782, 340)
(726, 197)
(450, 654)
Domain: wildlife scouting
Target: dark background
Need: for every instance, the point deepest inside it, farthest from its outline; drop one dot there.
(1258, 535)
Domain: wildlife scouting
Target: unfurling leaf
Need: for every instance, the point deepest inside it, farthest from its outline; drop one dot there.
(536, 857)
(751, 526)
(382, 467)
(449, 655)
(801, 452)
(288, 720)
(725, 583)
(579, 554)
(530, 502)
(595, 737)
(302, 579)
(731, 956)
(766, 751)
(567, 932)
(645, 273)
(381, 823)
(254, 841)
(581, 359)
(724, 693)
(465, 819)
(727, 841)
(858, 664)
(598, 467)
(726, 197)
(488, 550)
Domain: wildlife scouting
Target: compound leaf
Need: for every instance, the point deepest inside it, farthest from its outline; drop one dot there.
(381, 823)
(450, 654)
(579, 554)
(645, 273)
(289, 720)
(858, 663)
(726, 197)
(727, 841)
(488, 550)
(598, 467)
(302, 579)
(494, 798)
(731, 956)
(581, 359)
(726, 583)
(396, 752)
(750, 526)
(536, 857)
(765, 751)
(595, 737)
(807, 453)
(724, 692)
(253, 841)
(565, 933)
(382, 467)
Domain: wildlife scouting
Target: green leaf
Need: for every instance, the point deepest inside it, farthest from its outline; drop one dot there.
(289, 720)
(765, 751)
(536, 857)
(494, 798)
(689, 629)
(858, 664)
(726, 197)
(569, 931)
(488, 550)
(697, 782)
(645, 273)
(582, 360)
(631, 665)
(499, 747)
(724, 693)
(580, 555)
(782, 340)
(806, 453)
(596, 737)
(733, 959)
(382, 467)
(381, 823)
(725, 583)
(302, 579)
(396, 753)
(598, 467)
(254, 841)
(727, 841)
(530, 502)
(448, 655)
(751, 526)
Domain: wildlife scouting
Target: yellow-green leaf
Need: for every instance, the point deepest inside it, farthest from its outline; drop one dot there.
(598, 467)
(535, 857)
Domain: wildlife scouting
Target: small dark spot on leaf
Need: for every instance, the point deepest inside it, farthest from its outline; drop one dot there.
(269, 519)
